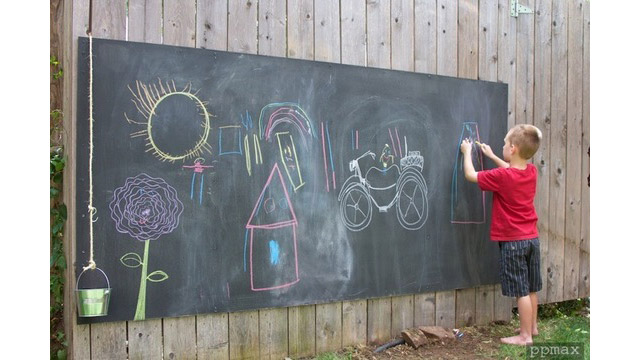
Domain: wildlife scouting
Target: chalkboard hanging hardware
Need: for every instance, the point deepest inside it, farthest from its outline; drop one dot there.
(92, 302)
(517, 9)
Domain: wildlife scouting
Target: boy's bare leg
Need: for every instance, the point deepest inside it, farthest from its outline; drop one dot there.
(534, 306)
(534, 310)
(525, 310)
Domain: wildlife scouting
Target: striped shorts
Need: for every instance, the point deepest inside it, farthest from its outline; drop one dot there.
(520, 267)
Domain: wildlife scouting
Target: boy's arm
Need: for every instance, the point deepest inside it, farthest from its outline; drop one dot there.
(469, 171)
(486, 149)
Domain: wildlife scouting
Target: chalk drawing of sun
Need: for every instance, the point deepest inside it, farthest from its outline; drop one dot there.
(176, 122)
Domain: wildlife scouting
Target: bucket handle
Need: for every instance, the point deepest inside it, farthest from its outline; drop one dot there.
(97, 268)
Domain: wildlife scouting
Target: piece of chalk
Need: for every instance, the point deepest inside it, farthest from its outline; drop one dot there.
(478, 142)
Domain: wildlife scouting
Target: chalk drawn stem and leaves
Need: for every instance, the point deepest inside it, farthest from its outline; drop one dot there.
(145, 208)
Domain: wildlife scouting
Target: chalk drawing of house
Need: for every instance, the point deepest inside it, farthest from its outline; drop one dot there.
(271, 232)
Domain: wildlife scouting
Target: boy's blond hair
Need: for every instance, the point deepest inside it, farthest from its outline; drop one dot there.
(526, 138)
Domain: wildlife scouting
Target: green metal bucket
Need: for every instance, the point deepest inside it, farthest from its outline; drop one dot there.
(93, 302)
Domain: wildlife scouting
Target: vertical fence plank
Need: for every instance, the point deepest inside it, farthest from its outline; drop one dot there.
(542, 119)
(145, 25)
(573, 200)
(273, 333)
(447, 41)
(503, 305)
(378, 320)
(524, 67)
(302, 319)
(424, 309)
(507, 35)
(302, 327)
(402, 31)
(447, 64)
(76, 23)
(179, 23)
(272, 31)
(507, 54)
(401, 314)
(179, 335)
(467, 68)
(327, 48)
(485, 304)
(425, 36)
(272, 41)
(145, 339)
(109, 341)
(353, 36)
(488, 40)
(354, 52)
(212, 336)
(468, 39)
(558, 167)
(354, 322)
(378, 55)
(328, 327)
(327, 31)
(212, 330)
(584, 288)
(211, 24)
(145, 21)
(402, 58)
(379, 34)
(446, 308)
(80, 345)
(242, 33)
(465, 307)
(300, 29)
(486, 296)
(108, 19)
(244, 335)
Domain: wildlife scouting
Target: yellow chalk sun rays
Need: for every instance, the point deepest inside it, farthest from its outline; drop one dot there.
(147, 97)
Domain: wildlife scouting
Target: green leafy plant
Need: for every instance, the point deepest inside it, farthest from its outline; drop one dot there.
(58, 218)
(53, 61)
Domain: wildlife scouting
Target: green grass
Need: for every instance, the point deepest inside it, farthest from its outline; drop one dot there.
(559, 329)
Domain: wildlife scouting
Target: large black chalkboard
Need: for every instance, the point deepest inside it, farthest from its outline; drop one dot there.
(239, 181)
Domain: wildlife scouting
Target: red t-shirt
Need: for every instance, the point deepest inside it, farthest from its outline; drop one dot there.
(514, 215)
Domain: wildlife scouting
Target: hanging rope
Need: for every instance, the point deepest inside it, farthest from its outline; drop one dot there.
(92, 210)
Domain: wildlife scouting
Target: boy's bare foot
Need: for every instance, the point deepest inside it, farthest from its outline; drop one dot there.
(517, 340)
(534, 332)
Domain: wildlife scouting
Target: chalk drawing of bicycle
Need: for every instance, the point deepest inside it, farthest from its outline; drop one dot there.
(357, 194)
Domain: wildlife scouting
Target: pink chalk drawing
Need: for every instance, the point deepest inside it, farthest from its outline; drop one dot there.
(272, 239)
(198, 168)
(285, 113)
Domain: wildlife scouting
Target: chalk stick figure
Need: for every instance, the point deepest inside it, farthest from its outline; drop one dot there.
(198, 168)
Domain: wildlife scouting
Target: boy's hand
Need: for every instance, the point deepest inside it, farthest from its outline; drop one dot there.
(465, 146)
(486, 149)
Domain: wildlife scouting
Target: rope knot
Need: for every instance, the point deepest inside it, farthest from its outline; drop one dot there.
(92, 265)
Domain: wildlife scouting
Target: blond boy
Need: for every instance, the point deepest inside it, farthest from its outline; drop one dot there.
(513, 221)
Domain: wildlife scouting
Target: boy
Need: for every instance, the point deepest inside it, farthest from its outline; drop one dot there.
(513, 221)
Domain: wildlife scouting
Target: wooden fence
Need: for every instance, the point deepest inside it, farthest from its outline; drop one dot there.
(544, 57)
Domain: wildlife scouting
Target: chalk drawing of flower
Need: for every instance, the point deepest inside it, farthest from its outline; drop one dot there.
(145, 208)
